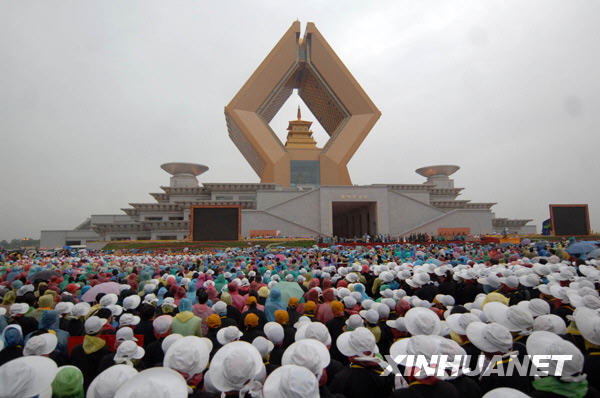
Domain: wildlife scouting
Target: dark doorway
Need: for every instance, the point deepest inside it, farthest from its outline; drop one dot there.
(354, 219)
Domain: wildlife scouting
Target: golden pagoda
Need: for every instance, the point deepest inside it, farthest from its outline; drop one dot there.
(299, 134)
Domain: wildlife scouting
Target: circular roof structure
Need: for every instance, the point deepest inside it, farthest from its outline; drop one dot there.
(176, 168)
(438, 170)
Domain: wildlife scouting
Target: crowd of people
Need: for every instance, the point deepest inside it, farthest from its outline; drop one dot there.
(298, 322)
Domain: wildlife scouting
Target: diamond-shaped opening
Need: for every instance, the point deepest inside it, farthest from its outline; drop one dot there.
(289, 111)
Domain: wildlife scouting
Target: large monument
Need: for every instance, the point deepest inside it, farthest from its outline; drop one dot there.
(346, 113)
(304, 190)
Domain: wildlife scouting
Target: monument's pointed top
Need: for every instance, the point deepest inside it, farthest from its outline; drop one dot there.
(299, 115)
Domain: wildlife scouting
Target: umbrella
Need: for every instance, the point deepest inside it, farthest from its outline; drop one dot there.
(44, 275)
(582, 247)
(593, 254)
(526, 241)
(289, 290)
(107, 287)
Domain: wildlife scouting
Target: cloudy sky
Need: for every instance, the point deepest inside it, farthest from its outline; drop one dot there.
(95, 95)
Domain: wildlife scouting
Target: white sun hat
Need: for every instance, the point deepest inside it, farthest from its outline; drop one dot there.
(42, 344)
(309, 353)
(354, 321)
(228, 334)
(263, 346)
(18, 308)
(80, 309)
(115, 309)
(169, 302)
(548, 343)
(371, 316)
(125, 334)
(359, 342)
(529, 280)
(131, 302)
(550, 323)
(93, 324)
(537, 307)
(106, 384)
(505, 392)
(109, 299)
(291, 381)
(235, 366)
(274, 332)
(492, 337)
(127, 351)
(458, 322)
(397, 324)
(349, 301)
(129, 320)
(303, 319)
(313, 330)
(588, 323)
(422, 321)
(418, 279)
(154, 382)
(189, 355)
(169, 340)
(445, 299)
(64, 307)
(495, 311)
(27, 376)
(517, 319)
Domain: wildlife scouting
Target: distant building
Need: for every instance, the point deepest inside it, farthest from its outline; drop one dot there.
(305, 191)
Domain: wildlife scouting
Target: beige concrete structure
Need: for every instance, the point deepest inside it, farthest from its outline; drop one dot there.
(305, 191)
(347, 114)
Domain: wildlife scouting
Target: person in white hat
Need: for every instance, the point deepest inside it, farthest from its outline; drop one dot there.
(106, 384)
(189, 356)
(228, 334)
(78, 314)
(18, 314)
(88, 355)
(41, 344)
(162, 328)
(571, 381)
(130, 303)
(363, 377)
(154, 382)
(64, 309)
(236, 368)
(124, 334)
(265, 346)
(314, 330)
(309, 353)
(495, 341)
(587, 322)
(27, 377)
(12, 340)
(291, 381)
(550, 323)
(275, 333)
(422, 321)
(128, 319)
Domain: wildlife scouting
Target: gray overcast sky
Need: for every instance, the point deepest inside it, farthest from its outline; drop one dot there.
(95, 95)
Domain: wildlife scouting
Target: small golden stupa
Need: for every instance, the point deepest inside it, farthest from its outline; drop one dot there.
(299, 134)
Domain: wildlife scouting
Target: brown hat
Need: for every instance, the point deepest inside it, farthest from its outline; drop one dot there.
(213, 321)
(282, 317)
(337, 307)
(251, 320)
(293, 302)
(310, 307)
(250, 300)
